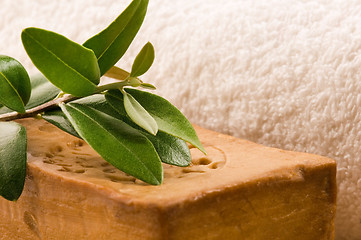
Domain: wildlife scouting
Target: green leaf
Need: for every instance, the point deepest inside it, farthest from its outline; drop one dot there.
(169, 119)
(12, 160)
(58, 119)
(117, 73)
(120, 74)
(110, 44)
(118, 143)
(139, 115)
(96, 101)
(42, 91)
(143, 61)
(68, 65)
(171, 150)
(148, 86)
(15, 86)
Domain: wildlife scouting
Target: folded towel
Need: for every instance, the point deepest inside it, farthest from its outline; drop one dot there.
(285, 74)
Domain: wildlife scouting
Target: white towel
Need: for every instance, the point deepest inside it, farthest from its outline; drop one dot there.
(285, 74)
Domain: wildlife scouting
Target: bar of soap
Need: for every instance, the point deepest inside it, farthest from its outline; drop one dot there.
(240, 190)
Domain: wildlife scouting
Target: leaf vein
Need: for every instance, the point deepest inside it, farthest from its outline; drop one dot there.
(114, 137)
(12, 86)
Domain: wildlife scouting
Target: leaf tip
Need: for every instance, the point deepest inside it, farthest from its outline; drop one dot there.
(154, 131)
(158, 180)
(199, 145)
(143, 60)
(148, 86)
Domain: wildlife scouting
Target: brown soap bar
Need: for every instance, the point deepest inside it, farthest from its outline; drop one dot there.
(240, 190)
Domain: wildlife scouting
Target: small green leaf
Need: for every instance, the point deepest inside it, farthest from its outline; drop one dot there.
(42, 91)
(58, 119)
(118, 143)
(12, 160)
(110, 44)
(143, 61)
(169, 119)
(120, 74)
(139, 115)
(148, 86)
(68, 65)
(15, 86)
(117, 73)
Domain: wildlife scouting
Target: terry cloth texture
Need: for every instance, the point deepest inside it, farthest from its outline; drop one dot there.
(286, 74)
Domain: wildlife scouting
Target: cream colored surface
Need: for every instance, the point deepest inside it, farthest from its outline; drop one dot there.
(240, 190)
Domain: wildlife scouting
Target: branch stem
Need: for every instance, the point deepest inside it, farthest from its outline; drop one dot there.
(114, 85)
(62, 98)
(32, 112)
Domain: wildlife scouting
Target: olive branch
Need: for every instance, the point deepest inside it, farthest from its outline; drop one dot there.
(133, 130)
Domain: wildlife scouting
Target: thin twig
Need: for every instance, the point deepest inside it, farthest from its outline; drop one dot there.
(55, 103)
(32, 112)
